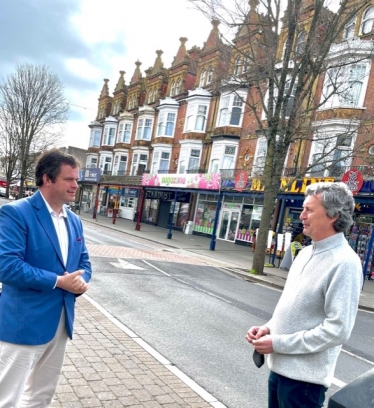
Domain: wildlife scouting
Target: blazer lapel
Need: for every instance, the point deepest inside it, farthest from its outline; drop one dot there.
(45, 220)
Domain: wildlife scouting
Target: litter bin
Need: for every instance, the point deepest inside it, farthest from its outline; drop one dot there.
(188, 227)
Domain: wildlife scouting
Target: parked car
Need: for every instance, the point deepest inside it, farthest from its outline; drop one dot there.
(2, 191)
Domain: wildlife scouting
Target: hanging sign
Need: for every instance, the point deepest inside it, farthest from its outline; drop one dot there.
(241, 180)
(354, 180)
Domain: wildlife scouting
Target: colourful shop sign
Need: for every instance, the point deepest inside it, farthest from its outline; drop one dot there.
(206, 181)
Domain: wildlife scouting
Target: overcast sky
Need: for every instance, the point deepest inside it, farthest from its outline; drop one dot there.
(85, 41)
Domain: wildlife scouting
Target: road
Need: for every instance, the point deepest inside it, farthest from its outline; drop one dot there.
(196, 315)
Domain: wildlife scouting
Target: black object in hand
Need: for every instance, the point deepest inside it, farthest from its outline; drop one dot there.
(259, 359)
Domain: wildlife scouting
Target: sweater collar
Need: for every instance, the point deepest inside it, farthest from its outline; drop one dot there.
(330, 242)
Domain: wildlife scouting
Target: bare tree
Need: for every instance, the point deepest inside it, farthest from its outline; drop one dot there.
(32, 111)
(292, 50)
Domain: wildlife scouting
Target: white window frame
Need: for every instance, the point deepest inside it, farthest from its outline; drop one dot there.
(209, 77)
(124, 132)
(166, 123)
(198, 102)
(202, 78)
(178, 86)
(118, 167)
(367, 21)
(260, 157)
(91, 161)
(105, 163)
(190, 156)
(221, 157)
(229, 106)
(326, 143)
(139, 158)
(196, 115)
(144, 128)
(238, 65)
(109, 135)
(161, 159)
(345, 88)
(95, 137)
(349, 28)
(172, 88)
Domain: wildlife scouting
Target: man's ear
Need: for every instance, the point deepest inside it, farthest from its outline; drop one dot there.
(46, 180)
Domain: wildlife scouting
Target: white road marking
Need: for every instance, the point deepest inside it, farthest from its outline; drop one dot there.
(155, 267)
(192, 286)
(126, 265)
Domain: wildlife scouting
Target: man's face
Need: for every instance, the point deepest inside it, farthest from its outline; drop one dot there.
(317, 225)
(63, 189)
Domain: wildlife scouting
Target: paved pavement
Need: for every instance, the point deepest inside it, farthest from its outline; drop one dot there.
(107, 365)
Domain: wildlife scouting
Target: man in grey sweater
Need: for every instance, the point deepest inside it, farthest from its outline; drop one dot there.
(317, 310)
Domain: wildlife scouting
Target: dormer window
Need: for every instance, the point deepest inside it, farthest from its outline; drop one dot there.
(132, 102)
(150, 96)
(172, 89)
(238, 66)
(300, 43)
(367, 21)
(178, 87)
(202, 78)
(210, 75)
(349, 29)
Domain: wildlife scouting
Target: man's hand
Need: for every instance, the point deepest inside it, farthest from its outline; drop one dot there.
(72, 282)
(259, 337)
(256, 332)
(264, 345)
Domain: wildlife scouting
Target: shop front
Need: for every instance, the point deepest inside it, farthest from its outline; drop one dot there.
(128, 202)
(165, 207)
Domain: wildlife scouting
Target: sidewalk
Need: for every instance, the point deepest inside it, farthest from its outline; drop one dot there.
(107, 365)
(235, 258)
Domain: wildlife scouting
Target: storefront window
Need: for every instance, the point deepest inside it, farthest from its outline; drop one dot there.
(204, 218)
(150, 210)
(249, 222)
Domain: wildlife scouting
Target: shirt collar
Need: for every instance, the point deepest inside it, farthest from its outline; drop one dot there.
(51, 211)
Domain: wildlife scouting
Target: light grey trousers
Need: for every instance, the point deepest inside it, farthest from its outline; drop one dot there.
(29, 374)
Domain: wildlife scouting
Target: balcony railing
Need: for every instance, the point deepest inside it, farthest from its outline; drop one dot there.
(333, 170)
(123, 173)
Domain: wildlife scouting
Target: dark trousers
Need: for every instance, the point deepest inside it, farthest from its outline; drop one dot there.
(287, 393)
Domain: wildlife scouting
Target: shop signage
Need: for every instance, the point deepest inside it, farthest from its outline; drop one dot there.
(207, 181)
(113, 190)
(158, 194)
(231, 206)
(354, 180)
(90, 175)
(241, 180)
(129, 192)
(286, 184)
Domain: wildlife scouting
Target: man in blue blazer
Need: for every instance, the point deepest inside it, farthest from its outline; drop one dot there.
(44, 266)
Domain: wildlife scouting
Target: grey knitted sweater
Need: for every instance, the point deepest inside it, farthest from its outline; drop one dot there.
(316, 312)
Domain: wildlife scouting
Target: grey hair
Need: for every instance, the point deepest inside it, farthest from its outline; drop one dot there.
(337, 200)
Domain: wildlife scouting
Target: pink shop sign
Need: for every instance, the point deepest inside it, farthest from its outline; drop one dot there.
(206, 181)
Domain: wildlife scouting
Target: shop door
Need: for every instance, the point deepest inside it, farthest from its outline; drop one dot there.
(164, 214)
(228, 225)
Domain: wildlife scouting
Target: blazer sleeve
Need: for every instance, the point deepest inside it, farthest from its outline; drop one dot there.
(26, 258)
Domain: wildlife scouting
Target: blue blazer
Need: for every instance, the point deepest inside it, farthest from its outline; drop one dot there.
(30, 260)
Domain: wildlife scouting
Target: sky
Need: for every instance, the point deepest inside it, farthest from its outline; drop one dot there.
(85, 41)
